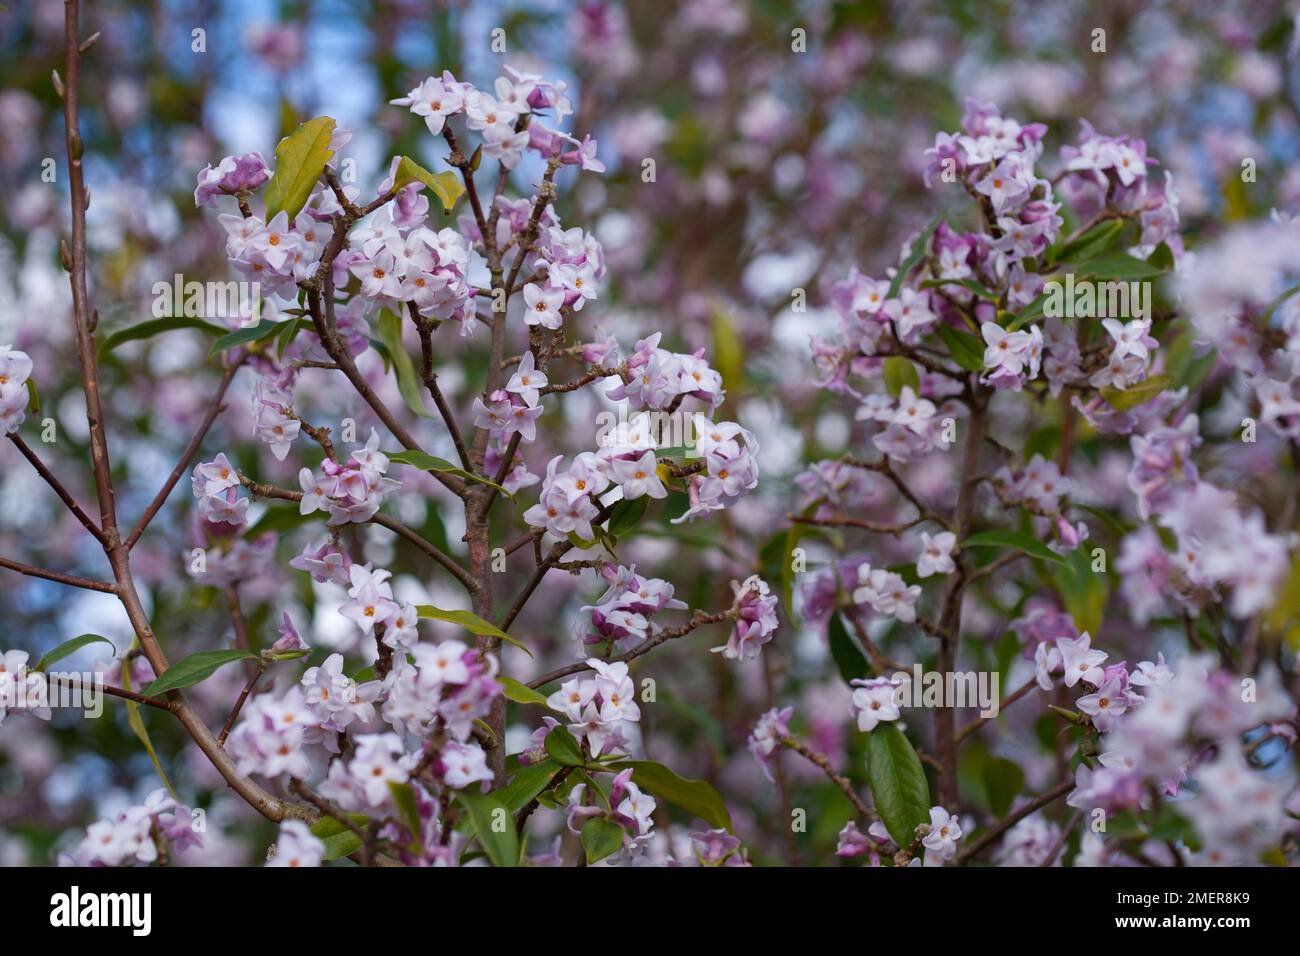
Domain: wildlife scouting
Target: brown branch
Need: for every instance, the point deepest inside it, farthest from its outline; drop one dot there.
(820, 761)
(1011, 819)
(645, 647)
(71, 580)
(187, 456)
(50, 479)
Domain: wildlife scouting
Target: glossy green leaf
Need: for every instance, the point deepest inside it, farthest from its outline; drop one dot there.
(446, 186)
(694, 796)
(849, 658)
(257, 332)
(899, 373)
(527, 784)
(919, 249)
(521, 693)
(626, 515)
(1135, 395)
(135, 720)
(494, 825)
(898, 784)
(197, 667)
(1017, 540)
(563, 748)
(408, 382)
(147, 330)
(601, 837)
(70, 647)
(966, 350)
(418, 459)
(339, 840)
(300, 159)
(470, 621)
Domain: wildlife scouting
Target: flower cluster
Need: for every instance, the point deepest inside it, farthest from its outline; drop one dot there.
(135, 834)
(756, 622)
(622, 614)
(297, 846)
(396, 258)
(447, 684)
(887, 593)
(233, 176)
(351, 492)
(628, 807)
(15, 369)
(598, 707)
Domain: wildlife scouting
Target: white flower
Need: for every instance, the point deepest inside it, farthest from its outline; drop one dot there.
(936, 554)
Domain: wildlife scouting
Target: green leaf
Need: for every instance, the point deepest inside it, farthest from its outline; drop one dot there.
(521, 693)
(898, 783)
(33, 398)
(527, 784)
(601, 837)
(262, 329)
(408, 383)
(446, 186)
(1277, 303)
(408, 810)
(1092, 243)
(1083, 591)
(147, 330)
(966, 350)
(1134, 395)
(418, 459)
(135, 721)
(900, 372)
(1003, 780)
(791, 541)
(281, 518)
(197, 667)
(563, 748)
(626, 515)
(1030, 312)
(1013, 539)
(339, 840)
(694, 796)
(968, 284)
(1118, 266)
(70, 647)
(1197, 370)
(470, 621)
(849, 658)
(494, 825)
(919, 249)
(300, 159)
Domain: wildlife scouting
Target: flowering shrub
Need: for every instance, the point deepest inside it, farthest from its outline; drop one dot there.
(969, 323)
(478, 441)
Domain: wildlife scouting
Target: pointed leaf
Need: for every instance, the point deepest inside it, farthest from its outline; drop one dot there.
(300, 159)
(408, 383)
(418, 459)
(1013, 539)
(494, 825)
(898, 783)
(601, 837)
(195, 668)
(470, 621)
(694, 796)
(71, 647)
(446, 186)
